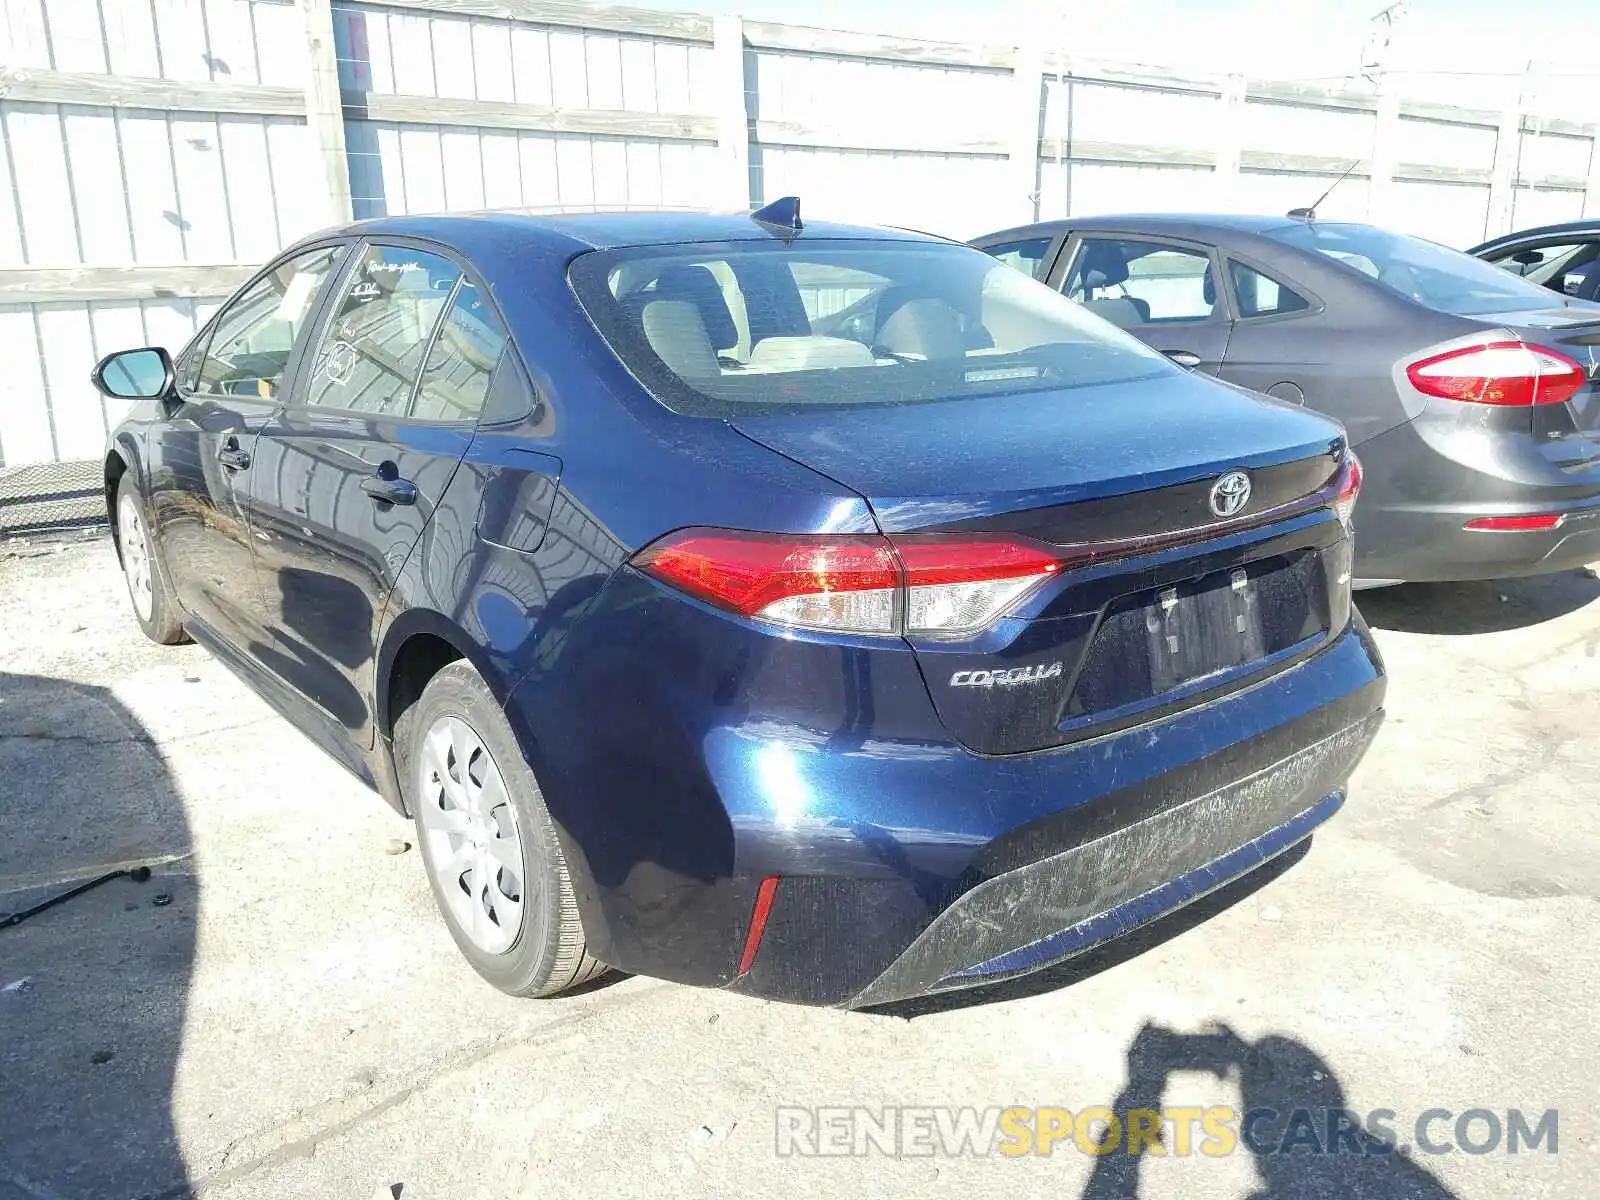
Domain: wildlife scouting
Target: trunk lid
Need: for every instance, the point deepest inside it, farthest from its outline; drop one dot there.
(1163, 601)
(948, 464)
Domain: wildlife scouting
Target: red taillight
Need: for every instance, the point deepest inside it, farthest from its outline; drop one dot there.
(840, 581)
(1507, 373)
(936, 586)
(1516, 524)
(1344, 501)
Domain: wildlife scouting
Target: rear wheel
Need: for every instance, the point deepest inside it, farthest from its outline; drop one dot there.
(142, 570)
(493, 861)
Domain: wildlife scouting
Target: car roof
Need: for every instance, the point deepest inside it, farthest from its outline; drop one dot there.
(1202, 226)
(591, 230)
(1589, 227)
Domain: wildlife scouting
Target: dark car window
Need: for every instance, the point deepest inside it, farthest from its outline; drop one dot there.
(1132, 283)
(255, 334)
(930, 321)
(1435, 276)
(1561, 267)
(1031, 256)
(1260, 295)
(372, 349)
(456, 376)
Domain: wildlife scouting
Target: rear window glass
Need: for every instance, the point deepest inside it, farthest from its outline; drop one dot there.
(723, 328)
(1435, 276)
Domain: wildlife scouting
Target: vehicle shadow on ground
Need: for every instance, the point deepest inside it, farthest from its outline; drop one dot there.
(1292, 1120)
(1485, 606)
(92, 990)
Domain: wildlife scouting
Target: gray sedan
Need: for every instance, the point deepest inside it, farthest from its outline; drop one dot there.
(1468, 393)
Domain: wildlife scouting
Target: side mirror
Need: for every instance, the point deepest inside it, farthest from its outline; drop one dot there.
(144, 374)
(1572, 281)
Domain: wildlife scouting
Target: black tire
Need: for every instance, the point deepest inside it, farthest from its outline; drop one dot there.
(548, 953)
(164, 623)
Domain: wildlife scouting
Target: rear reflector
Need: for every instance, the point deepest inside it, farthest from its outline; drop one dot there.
(1516, 524)
(934, 586)
(1505, 373)
(758, 922)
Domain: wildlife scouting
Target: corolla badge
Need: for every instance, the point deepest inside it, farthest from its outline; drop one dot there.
(1007, 678)
(1230, 493)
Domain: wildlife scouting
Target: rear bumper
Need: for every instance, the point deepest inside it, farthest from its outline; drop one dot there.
(1090, 867)
(1050, 910)
(1426, 479)
(1429, 544)
(733, 757)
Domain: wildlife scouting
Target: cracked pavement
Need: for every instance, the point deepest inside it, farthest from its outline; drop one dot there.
(296, 1021)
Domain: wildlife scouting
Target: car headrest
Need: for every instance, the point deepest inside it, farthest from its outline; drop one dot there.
(1103, 264)
(926, 329)
(698, 286)
(1210, 287)
(1122, 311)
(676, 331)
(918, 326)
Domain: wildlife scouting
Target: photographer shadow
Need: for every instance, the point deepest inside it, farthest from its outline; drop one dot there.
(1293, 1121)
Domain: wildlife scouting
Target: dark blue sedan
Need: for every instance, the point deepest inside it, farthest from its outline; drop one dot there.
(825, 613)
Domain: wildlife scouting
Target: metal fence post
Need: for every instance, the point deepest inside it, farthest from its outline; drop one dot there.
(1229, 142)
(1503, 179)
(1591, 194)
(1027, 126)
(324, 111)
(1385, 153)
(732, 108)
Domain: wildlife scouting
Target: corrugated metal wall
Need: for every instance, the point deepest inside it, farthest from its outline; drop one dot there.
(117, 187)
(401, 167)
(154, 148)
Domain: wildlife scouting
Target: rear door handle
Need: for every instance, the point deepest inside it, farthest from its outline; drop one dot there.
(1184, 358)
(384, 488)
(232, 457)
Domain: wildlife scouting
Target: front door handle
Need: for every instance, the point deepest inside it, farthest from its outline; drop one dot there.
(232, 457)
(1187, 359)
(387, 488)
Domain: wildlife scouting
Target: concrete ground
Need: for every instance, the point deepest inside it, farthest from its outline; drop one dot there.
(279, 1013)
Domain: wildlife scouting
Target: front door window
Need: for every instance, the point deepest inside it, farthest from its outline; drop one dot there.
(256, 333)
(369, 358)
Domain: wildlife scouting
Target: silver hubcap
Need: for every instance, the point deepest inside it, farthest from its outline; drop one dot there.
(474, 847)
(135, 558)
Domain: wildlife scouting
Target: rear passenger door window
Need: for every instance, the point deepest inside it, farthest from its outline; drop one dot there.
(462, 360)
(1260, 295)
(1132, 283)
(372, 352)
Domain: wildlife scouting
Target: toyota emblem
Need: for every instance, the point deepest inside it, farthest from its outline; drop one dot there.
(1230, 493)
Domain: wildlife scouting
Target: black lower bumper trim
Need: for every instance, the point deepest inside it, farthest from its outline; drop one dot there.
(1062, 905)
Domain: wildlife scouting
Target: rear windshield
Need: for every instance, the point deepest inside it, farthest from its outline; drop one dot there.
(1439, 278)
(728, 327)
